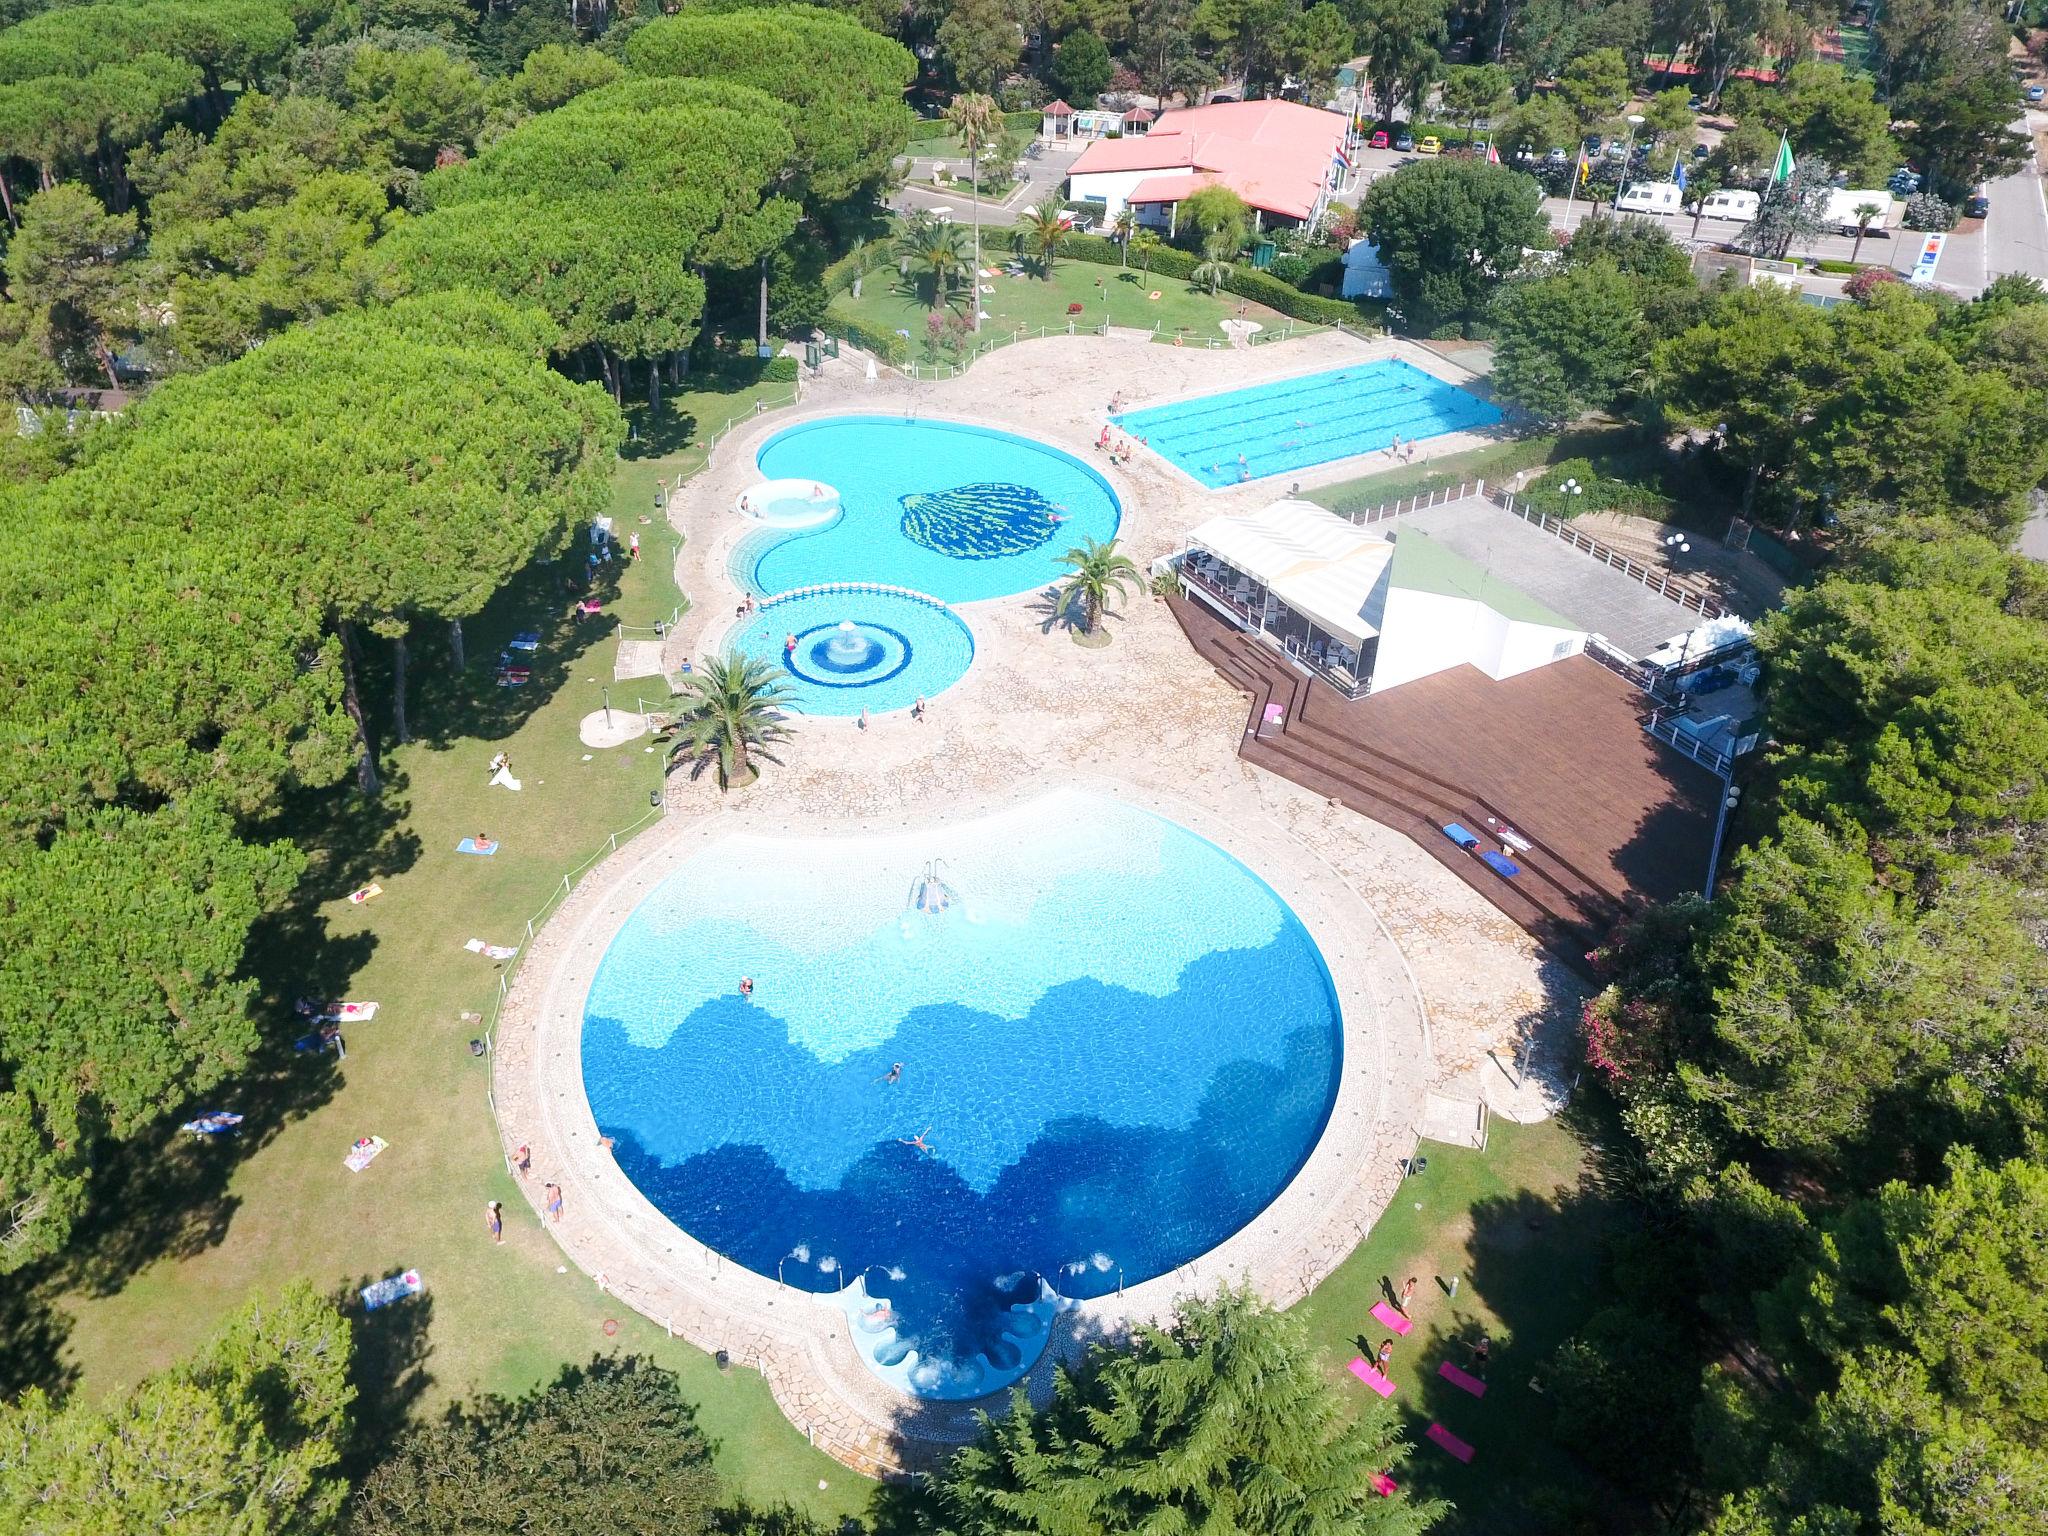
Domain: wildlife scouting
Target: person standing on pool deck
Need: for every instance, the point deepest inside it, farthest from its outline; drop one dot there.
(552, 1194)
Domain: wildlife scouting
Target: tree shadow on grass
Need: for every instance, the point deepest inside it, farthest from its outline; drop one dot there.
(33, 1332)
(388, 1371)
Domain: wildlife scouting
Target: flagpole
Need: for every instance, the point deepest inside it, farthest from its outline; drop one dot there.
(1572, 191)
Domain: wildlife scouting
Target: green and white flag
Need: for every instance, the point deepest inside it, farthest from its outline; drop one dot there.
(1781, 168)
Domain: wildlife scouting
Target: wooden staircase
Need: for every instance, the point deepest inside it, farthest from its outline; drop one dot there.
(1311, 746)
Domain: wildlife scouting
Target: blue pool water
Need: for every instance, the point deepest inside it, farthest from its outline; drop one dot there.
(896, 649)
(1111, 1077)
(1293, 424)
(960, 512)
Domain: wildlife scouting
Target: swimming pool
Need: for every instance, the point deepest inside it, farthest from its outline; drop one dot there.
(1110, 1078)
(1293, 424)
(960, 512)
(858, 649)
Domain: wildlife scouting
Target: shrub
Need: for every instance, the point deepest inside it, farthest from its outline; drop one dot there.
(1926, 211)
(1864, 283)
(839, 276)
(1290, 269)
(926, 129)
(779, 370)
(885, 344)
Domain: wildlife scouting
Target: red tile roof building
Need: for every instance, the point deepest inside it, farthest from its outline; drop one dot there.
(1279, 156)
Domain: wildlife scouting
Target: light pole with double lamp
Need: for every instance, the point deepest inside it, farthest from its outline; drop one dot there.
(1628, 149)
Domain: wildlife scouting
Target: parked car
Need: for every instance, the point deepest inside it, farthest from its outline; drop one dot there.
(1404, 141)
(1379, 140)
(1430, 146)
(1700, 151)
(1977, 205)
(2035, 93)
(1558, 157)
(1695, 103)
(1616, 148)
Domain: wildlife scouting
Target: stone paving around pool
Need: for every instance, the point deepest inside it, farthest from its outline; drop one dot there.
(1438, 988)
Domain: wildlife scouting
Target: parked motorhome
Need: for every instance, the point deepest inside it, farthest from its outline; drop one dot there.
(1733, 205)
(1652, 197)
(1842, 206)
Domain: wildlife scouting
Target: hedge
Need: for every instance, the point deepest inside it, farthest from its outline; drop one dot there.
(839, 276)
(885, 344)
(925, 129)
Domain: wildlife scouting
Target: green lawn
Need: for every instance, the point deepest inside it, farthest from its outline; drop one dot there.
(1032, 302)
(195, 1229)
(1494, 463)
(1521, 1238)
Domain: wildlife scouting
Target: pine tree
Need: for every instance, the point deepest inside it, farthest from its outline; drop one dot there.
(1220, 1424)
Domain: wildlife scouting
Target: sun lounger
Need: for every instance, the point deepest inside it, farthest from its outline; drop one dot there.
(1449, 1441)
(1501, 864)
(1371, 1377)
(396, 1288)
(220, 1122)
(481, 850)
(493, 951)
(1465, 1381)
(368, 893)
(364, 1153)
(1392, 1318)
(1510, 838)
(1462, 836)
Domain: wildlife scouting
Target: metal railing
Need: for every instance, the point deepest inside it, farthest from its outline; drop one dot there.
(1388, 510)
(1655, 579)
(1661, 725)
(556, 897)
(710, 444)
(1345, 682)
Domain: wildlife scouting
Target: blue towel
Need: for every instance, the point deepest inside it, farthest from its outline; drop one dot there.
(468, 845)
(1501, 865)
(526, 640)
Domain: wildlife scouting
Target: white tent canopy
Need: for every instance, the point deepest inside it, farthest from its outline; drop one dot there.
(1319, 564)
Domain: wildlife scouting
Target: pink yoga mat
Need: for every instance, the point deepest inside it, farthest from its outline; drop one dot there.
(1383, 1485)
(1462, 1379)
(1371, 1377)
(1390, 1317)
(1449, 1442)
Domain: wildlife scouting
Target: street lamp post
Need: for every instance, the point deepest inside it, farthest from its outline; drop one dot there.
(1628, 149)
(1731, 793)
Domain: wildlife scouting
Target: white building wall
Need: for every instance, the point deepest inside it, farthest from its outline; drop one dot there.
(1112, 187)
(1421, 633)
(1425, 632)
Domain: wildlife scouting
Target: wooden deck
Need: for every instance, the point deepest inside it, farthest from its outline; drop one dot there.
(1617, 818)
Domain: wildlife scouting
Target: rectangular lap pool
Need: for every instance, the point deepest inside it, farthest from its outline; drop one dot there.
(1291, 424)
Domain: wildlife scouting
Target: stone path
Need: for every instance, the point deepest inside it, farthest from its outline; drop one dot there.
(1431, 978)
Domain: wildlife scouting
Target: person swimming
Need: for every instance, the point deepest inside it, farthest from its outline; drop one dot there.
(918, 1141)
(746, 986)
(893, 1075)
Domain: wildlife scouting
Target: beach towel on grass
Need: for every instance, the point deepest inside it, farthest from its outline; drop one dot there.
(338, 1013)
(469, 845)
(368, 892)
(364, 1153)
(396, 1288)
(1391, 1318)
(1463, 1380)
(494, 951)
(1450, 1442)
(1372, 1378)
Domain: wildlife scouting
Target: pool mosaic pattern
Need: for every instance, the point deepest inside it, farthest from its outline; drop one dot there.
(858, 650)
(960, 512)
(1295, 424)
(1108, 1078)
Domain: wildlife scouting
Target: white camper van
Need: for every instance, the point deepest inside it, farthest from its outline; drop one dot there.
(1742, 206)
(1652, 197)
(1842, 208)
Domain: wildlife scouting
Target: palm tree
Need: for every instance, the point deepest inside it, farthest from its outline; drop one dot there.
(979, 122)
(1218, 246)
(731, 711)
(1143, 244)
(1122, 228)
(1043, 229)
(932, 250)
(1099, 573)
(1864, 212)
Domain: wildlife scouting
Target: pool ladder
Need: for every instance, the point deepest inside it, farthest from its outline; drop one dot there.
(928, 893)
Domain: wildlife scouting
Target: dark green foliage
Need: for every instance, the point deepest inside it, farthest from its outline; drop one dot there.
(1081, 68)
(1449, 231)
(610, 1446)
(1221, 1423)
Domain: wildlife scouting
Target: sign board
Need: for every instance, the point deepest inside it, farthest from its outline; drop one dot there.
(1928, 259)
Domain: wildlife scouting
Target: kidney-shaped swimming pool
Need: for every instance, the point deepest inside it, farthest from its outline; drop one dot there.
(981, 1068)
(955, 511)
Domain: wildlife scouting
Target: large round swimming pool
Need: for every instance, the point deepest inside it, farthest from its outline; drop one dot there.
(982, 1068)
(960, 512)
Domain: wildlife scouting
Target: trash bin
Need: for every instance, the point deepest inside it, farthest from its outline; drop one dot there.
(1262, 255)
